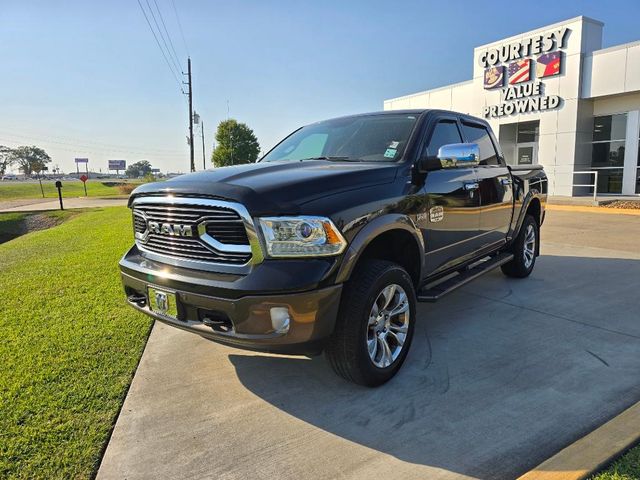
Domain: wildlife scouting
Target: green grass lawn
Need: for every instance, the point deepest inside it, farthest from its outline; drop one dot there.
(68, 342)
(626, 467)
(12, 190)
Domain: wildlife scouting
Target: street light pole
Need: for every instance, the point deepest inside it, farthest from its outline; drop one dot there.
(204, 161)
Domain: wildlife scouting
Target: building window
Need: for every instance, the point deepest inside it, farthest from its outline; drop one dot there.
(607, 151)
(528, 131)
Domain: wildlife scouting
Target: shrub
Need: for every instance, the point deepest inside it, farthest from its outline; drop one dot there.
(126, 188)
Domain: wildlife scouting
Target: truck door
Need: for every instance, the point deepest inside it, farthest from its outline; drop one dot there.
(450, 223)
(494, 178)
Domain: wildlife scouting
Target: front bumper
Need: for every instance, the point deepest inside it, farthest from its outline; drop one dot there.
(246, 316)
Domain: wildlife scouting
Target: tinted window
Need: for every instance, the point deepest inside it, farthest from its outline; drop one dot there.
(480, 135)
(374, 138)
(444, 133)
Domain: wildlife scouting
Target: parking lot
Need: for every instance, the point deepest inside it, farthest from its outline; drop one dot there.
(501, 375)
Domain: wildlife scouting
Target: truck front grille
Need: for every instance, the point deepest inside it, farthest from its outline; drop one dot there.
(192, 231)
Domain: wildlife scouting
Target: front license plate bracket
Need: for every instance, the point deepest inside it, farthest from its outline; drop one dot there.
(163, 302)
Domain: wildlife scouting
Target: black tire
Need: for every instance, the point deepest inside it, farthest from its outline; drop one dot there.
(347, 349)
(523, 261)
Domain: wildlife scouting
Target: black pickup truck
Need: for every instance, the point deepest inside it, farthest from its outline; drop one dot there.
(329, 240)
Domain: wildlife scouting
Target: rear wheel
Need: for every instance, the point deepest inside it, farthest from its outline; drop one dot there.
(375, 324)
(524, 248)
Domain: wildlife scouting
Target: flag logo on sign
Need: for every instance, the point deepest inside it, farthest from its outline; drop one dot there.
(548, 65)
(493, 77)
(519, 71)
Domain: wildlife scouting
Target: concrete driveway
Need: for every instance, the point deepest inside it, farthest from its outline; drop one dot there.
(501, 375)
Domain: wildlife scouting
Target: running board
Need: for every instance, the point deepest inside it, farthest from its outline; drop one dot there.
(465, 276)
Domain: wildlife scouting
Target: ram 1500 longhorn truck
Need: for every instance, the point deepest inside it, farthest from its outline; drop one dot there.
(329, 240)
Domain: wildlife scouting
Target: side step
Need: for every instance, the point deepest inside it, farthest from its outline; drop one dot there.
(465, 276)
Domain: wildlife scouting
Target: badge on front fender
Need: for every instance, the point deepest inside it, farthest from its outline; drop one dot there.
(436, 214)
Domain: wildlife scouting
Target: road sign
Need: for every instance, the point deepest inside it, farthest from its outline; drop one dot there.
(117, 164)
(82, 160)
(84, 179)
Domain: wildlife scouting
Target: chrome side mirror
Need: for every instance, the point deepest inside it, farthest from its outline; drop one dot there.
(459, 155)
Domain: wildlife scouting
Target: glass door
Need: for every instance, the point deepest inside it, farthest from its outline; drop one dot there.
(608, 150)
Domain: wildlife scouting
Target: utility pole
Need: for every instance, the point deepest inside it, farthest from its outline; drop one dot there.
(204, 161)
(193, 165)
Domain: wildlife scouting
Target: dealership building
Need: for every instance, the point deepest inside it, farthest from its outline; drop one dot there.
(555, 97)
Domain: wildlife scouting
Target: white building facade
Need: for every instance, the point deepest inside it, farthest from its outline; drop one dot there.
(554, 97)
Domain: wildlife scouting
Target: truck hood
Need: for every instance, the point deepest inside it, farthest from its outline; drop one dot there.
(268, 188)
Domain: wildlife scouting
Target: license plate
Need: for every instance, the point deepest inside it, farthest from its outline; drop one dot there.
(163, 302)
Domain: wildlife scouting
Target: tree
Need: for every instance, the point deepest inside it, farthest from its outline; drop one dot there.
(236, 144)
(6, 159)
(133, 170)
(30, 159)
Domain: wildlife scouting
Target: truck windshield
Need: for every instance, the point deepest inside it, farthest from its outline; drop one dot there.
(366, 138)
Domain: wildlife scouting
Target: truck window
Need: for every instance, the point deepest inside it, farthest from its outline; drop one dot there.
(480, 135)
(445, 132)
(372, 138)
(311, 146)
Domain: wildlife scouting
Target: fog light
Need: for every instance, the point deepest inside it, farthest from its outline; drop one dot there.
(280, 319)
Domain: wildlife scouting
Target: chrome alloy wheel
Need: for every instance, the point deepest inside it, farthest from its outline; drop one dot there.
(529, 250)
(388, 325)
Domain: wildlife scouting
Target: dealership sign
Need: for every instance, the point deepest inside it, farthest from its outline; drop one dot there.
(524, 64)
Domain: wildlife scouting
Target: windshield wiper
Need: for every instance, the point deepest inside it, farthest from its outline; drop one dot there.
(333, 159)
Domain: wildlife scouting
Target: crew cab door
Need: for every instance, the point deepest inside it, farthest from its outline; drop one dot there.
(495, 188)
(450, 222)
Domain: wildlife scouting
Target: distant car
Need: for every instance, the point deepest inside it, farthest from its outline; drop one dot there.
(9, 177)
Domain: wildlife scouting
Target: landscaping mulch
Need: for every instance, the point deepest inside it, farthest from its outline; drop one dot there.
(627, 204)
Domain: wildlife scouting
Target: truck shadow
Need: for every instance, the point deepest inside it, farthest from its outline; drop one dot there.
(501, 374)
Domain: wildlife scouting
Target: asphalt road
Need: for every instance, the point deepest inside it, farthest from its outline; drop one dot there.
(501, 375)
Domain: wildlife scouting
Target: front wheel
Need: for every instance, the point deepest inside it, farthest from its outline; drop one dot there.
(375, 324)
(524, 249)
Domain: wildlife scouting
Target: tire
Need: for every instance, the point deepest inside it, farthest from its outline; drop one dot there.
(356, 349)
(524, 249)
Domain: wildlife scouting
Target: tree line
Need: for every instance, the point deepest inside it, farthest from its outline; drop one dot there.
(29, 159)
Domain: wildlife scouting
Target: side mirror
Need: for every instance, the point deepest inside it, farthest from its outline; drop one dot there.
(459, 155)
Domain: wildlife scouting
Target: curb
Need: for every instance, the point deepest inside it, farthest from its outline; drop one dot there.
(584, 209)
(592, 452)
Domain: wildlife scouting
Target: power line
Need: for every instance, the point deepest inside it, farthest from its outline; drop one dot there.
(86, 148)
(167, 33)
(74, 141)
(175, 10)
(164, 41)
(77, 151)
(160, 47)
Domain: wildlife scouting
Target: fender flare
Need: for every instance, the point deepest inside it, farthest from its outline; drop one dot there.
(530, 197)
(375, 228)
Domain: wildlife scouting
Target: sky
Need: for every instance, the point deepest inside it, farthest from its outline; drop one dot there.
(85, 78)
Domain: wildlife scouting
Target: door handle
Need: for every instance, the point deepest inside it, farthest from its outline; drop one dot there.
(471, 186)
(505, 181)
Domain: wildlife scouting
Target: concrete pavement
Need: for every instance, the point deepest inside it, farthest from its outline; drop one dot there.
(40, 204)
(501, 375)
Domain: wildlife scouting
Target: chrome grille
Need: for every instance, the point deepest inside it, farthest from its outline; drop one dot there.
(139, 223)
(191, 231)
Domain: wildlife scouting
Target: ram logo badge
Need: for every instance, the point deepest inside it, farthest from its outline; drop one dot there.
(436, 214)
(171, 229)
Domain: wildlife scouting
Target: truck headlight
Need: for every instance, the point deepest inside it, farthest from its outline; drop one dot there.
(301, 237)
